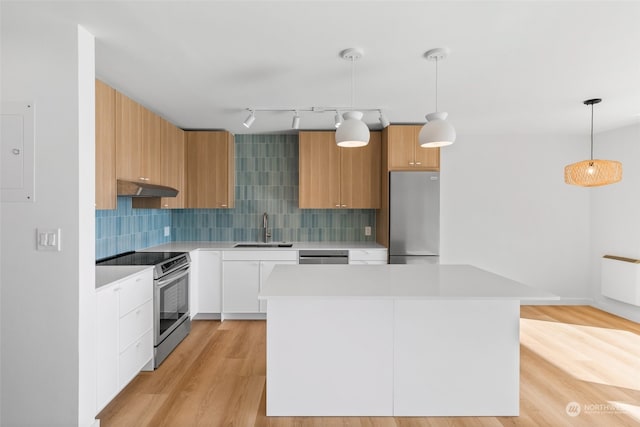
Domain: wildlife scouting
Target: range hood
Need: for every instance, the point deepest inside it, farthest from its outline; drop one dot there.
(144, 189)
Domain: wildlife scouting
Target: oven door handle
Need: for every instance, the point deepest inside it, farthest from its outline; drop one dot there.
(167, 280)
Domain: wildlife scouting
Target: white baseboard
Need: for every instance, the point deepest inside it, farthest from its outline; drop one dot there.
(561, 301)
(244, 316)
(628, 311)
(207, 316)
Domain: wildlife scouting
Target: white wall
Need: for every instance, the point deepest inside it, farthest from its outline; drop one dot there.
(46, 346)
(505, 208)
(615, 227)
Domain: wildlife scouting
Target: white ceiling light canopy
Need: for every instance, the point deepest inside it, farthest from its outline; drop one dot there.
(353, 132)
(437, 132)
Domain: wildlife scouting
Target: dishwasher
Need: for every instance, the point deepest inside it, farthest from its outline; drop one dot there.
(323, 256)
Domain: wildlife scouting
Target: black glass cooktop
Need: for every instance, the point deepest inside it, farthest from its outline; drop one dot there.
(139, 258)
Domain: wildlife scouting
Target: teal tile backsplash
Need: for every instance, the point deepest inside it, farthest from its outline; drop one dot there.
(126, 229)
(266, 181)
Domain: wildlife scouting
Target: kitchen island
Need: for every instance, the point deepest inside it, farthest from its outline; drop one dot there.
(393, 340)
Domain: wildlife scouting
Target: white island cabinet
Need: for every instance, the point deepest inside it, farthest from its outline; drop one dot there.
(124, 331)
(393, 340)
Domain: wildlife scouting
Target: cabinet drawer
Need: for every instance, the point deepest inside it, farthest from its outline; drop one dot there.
(136, 291)
(134, 358)
(270, 255)
(367, 255)
(135, 324)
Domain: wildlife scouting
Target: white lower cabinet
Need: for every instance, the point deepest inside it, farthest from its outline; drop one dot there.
(124, 333)
(209, 277)
(367, 256)
(243, 275)
(241, 285)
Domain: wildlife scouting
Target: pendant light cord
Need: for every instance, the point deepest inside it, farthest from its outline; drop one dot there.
(436, 84)
(591, 131)
(353, 79)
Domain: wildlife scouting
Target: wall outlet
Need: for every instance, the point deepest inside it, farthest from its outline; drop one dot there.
(167, 231)
(367, 230)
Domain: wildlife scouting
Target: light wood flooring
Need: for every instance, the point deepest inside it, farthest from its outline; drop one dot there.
(216, 377)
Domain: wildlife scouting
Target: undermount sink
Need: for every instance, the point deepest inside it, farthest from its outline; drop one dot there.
(263, 245)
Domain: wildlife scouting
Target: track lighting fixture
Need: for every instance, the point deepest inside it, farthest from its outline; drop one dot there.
(249, 121)
(295, 124)
(383, 120)
(351, 131)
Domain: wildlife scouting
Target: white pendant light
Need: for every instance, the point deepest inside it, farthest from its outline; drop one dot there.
(353, 132)
(437, 132)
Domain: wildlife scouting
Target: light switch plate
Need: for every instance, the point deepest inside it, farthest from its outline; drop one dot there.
(48, 239)
(167, 231)
(367, 230)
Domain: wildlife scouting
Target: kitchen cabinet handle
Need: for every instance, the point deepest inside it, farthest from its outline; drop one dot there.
(411, 163)
(337, 206)
(418, 163)
(166, 205)
(117, 289)
(344, 206)
(223, 205)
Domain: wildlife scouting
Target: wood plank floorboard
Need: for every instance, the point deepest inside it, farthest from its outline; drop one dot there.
(217, 377)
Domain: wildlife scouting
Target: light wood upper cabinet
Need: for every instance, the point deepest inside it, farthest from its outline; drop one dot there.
(360, 183)
(150, 167)
(404, 153)
(172, 168)
(332, 177)
(172, 160)
(319, 171)
(210, 169)
(105, 146)
(137, 142)
(128, 138)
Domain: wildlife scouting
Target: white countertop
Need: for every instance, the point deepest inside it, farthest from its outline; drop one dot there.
(107, 274)
(396, 282)
(190, 246)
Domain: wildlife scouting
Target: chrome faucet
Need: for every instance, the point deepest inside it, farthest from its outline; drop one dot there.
(265, 228)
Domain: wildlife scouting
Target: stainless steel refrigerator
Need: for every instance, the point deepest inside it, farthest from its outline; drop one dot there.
(414, 217)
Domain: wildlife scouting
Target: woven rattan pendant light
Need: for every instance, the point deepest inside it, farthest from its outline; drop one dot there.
(593, 172)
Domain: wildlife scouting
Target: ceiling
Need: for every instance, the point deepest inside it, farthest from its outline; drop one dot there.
(517, 67)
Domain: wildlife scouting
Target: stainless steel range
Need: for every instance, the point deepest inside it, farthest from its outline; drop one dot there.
(171, 318)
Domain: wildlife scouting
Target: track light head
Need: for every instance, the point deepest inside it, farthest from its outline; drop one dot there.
(338, 119)
(383, 120)
(249, 121)
(295, 124)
